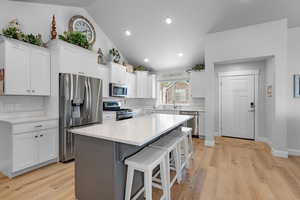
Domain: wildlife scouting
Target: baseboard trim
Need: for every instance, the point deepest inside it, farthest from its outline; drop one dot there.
(262, 139)
(279, 153)
(294, 152)
(209, 143)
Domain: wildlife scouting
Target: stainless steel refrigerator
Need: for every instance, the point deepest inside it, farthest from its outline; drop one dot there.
(80, 104)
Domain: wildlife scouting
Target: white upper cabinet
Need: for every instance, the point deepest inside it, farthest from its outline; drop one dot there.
(142, 84)
(198, 84)
(69, 58)
(131, 82)
(104, 76)
(152, 86)
(118, 74)
(26, 68)
(40, 72)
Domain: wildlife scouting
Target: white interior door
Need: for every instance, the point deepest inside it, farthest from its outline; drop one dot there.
(237, 106)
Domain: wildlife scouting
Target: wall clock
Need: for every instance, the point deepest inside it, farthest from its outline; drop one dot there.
(81, 24)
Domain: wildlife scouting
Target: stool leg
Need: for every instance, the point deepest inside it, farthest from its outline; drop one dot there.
(186, 152)
(177, 164)
(148, 184)
(168, 171)
(130, 174)
(191, 141)
(164, 182)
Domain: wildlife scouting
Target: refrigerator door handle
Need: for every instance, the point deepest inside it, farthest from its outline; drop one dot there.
(87, 96)
(90, 98)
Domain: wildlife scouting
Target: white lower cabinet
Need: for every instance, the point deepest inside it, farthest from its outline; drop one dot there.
(47, 145)
(34, 148)
(25, 152)
(28, 145)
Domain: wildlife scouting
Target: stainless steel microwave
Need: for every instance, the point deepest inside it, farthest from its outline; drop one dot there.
(118, 90)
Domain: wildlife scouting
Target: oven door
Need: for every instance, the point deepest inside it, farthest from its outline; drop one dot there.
(117, 90)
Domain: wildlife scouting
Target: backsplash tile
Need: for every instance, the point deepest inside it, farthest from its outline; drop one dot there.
(21, 105)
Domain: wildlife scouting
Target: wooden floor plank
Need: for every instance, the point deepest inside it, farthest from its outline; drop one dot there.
(234, 169)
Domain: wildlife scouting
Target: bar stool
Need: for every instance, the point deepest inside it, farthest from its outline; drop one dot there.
(146, 161)
(170, 146)
(183, 147)
(188, 132)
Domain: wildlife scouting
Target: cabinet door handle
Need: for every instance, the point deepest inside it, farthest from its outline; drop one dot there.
(33, 91)
(36, 136)
(38, 126)
(41, 135)
(28, 91)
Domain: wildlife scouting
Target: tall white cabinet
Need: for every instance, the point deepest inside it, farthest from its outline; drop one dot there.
(26, 68)
(131, 83)
(198, 84)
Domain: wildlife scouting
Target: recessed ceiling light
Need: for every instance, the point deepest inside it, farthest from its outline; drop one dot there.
(146, 60)
(169, 21)
(180, 54)
(128, 32)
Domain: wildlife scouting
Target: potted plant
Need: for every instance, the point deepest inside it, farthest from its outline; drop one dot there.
(198, 67)
(115, 55)
(140, 68)
(76, 38)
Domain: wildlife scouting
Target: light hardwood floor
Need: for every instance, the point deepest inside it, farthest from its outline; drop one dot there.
(233, 170)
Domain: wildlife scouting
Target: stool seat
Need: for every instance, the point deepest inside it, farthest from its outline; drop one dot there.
(145, 159)
(186, 130)
(167, 143)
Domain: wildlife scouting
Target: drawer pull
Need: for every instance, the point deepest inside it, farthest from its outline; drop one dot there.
(38, 126)
(41, 135)
(36, 136)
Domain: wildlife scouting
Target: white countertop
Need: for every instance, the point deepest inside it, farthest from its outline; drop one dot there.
(136, 131)
(199, 109)
(21, 120)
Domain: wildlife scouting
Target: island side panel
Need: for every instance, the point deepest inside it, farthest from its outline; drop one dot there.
(94, 168)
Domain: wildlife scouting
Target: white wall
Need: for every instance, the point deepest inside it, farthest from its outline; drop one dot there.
(257, 41)
(269, 101)
(293, 114)
(36, 18)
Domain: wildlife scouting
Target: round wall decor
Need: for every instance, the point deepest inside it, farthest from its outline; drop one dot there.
(81, 24)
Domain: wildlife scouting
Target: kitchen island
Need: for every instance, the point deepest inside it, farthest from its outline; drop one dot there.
(100, 151)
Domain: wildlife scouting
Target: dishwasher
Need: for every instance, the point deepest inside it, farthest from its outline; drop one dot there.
(192, 123)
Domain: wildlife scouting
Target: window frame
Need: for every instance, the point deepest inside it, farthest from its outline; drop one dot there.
(160, 103)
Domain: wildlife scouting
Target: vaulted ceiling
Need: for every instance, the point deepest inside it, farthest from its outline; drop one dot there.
(152, 38)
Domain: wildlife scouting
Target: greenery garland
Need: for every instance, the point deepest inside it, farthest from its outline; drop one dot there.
(76, 38)
(14, 33)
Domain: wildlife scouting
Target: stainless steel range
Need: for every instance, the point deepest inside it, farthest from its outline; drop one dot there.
(121, 114)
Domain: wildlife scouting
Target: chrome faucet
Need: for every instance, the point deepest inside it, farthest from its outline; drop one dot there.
(174, 105)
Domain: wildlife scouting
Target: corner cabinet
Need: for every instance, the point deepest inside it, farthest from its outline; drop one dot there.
(198, 84)
(26, 68)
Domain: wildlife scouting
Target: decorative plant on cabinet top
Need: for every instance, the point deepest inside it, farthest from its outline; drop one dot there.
(13, 30)
(76, 38)
(140, 68)
(115, 55)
